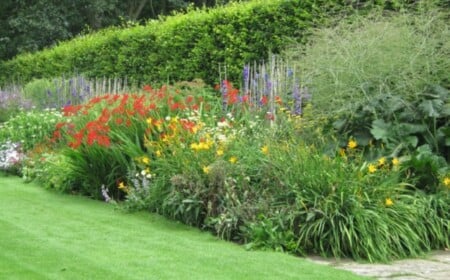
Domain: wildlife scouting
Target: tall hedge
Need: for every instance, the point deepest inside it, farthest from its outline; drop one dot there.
(179, 47)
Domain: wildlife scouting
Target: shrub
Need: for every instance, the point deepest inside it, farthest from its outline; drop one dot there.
(180, 47)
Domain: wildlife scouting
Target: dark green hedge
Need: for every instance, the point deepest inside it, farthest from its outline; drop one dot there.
(180, 47)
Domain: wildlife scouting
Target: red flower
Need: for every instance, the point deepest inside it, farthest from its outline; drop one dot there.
(71, 110)
(104, 117)
(263, 100)
(278, 100)
(189, 99)
(188, 125)
(147, 88)
(119, 121)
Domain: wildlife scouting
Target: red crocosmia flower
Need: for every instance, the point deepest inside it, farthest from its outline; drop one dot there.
(119, 110)
(147, 88)
(78, 138)
(152, 106)
(74, 144)
(278, 100)
(59, 125)
(217, 87)
(56, 135)
(245, 98)
(103, 140)
(138, 106)
(91, 137)
(188, 125)
(119, 121)
(177, 106)
(270, 116)
(232, 99)
(128, 123)
(95, 100)
(161, 92)
(71, 110)
(124, 100)
(189, 99)
(195, 107)
(263, 100)
(104, 117)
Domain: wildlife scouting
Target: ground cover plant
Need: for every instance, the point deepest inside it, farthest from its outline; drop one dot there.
(51, 236)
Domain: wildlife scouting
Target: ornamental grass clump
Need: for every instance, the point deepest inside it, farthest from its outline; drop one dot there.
(383, 79)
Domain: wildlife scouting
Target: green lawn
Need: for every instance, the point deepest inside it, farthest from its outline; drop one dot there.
(44, 235)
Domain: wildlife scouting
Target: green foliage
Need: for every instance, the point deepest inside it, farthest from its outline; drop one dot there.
(38, 90)
(180, 47)
(385, 81)
(32, 26)
(30, 128)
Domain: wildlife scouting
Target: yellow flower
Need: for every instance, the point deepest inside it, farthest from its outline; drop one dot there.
(372, 168)
(195, 147)
(265, 149)
(149, 121)
(388, 202)
(447, 182)
(233, 160)
(205, 169)
(158, 153)
(145, 160)
(395, 162)
(352, 144)
(219, 152)
(342, 152)
(123, 187)
(381, 161)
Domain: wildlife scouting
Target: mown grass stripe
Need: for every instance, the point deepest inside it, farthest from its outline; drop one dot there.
(45, 235)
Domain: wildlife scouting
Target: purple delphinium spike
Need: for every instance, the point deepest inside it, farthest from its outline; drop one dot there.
(296, 95)
(246, 76)
(290, 72)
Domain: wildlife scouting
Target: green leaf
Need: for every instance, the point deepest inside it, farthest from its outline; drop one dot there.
(410, 128)
(380, 130)
(446, 110)
(411, 140)
(339, 124)
(431, 108)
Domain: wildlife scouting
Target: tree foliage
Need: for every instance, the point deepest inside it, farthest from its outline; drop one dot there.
(31, 25)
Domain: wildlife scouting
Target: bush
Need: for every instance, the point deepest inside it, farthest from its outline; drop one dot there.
(384, 81)
(180, 47)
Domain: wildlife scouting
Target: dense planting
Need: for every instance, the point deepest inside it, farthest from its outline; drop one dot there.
(348, 158)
